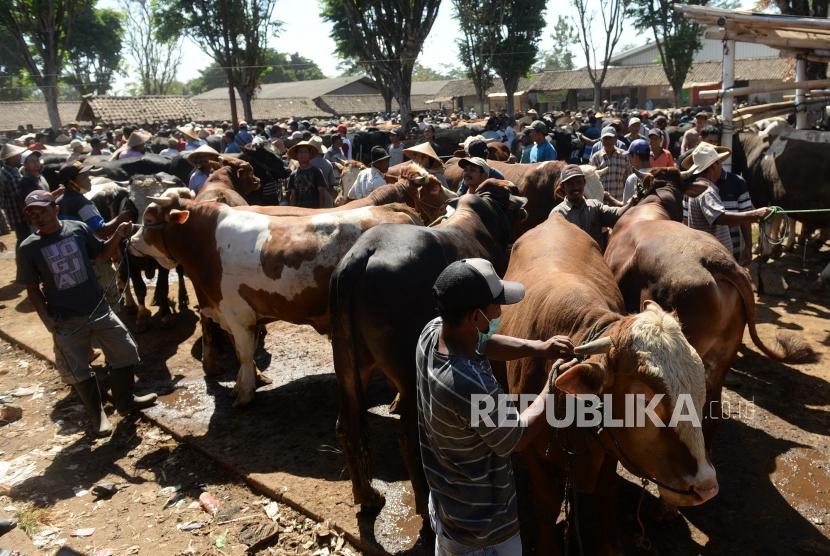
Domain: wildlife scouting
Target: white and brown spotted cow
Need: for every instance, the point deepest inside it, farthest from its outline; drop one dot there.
(250, 268)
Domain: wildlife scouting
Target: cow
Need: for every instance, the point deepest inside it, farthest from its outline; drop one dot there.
(122, 170)
(249, 269)
(269, 167)
(570, 291)
(348, 170)
(229, 183)
(363, 141)
(380, 301)
(655, 257)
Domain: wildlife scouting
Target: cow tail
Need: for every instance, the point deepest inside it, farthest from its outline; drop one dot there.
(787, 348)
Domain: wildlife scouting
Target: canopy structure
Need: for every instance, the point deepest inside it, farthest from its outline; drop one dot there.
(804, 38)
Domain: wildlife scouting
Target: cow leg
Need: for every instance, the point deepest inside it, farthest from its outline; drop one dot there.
(142, 319)
(790, 232)
(411, 450)
(610, 542)
(184, 301)
(162, 296)
(244, 342)
(548, 486)
(210, 355)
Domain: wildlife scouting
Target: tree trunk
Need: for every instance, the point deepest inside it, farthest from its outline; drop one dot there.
(597, 95)
(50, 96)
(510, 86)
(247, 108)
(387, 99)
(234, 115)
(678, 98)
(405, 106)
(481, 100)
(402, 92)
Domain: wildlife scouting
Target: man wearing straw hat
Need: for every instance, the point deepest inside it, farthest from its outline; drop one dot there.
(706, 211)
(371, 178)
(200, 159)
(424, 155)
(306, 185)
(192, 138)
(10, 200)
(136, 144)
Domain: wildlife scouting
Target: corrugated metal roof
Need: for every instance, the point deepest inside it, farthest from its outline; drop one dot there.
(216, 110)
(349, 105)
(114, 110)
(293, 89)
(25, 113)
(428, 87)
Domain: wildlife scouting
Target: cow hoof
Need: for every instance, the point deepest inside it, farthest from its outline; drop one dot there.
(262, 380)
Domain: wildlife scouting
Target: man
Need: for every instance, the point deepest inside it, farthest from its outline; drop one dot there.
(478, 148)
(597, 146)
(76, 148)
(55, 266)
(472, 500)
(661, 122)
(172, 149)
(475, 172)
(615, 160)
(74, 205)
(634, 130)
(243, 137)
(319, 162)
(347, 145)
(229, 144)
(371, 178)
(201, 160)
(725, 204)
(335, 152)
(542, 150)
(693, 136)
(11, 201)
(306, 185)
(136, 144)
(527, 146)
(707, 211)
(395, 148)
(98, 148)
(639, 155)
(30, 177)
(588, 214)
(660, 157)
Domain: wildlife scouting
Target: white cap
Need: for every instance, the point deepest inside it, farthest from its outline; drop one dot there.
(633, 121)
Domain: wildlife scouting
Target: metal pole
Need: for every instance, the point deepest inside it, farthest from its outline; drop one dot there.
(728, 102)
(800, 94)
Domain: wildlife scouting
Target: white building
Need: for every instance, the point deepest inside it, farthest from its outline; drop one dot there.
(710, 51)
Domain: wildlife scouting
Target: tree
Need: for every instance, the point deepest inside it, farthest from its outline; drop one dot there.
(281, 67)
(235, 34)
(613, 14)
(559, 57)
(40, 31)
(94, 55)
(518, 42)
(386, 36)
(478, 21)
(423, 73)
(157, 59)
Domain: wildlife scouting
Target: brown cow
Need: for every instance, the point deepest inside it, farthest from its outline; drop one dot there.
(249, 269)
(655, 257)
(571, 291)
(229, 183)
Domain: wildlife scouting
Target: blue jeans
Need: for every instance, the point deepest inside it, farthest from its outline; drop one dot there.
(444, 546)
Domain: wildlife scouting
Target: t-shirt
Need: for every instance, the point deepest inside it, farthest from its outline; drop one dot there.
(367, 181)
(467, 463)
(197, 180)
(590, 215)
(704, 210)
(62, 263)
(395, 154)
(170, 152)
(734, 195)
(305, 181)
(74, 206)
(542, 152)
(326, 168)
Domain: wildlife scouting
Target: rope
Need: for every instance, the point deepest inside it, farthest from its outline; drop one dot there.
(776, 210)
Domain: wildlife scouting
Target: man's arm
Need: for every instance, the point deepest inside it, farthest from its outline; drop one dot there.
(109, 228)
(37, 300)
(742, 218)
(534, 416)
(508, 348)
(114, 241)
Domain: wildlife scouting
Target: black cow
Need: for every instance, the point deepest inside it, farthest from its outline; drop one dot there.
(363, 141)
(269, 167)
(381, 298)
(147, 165)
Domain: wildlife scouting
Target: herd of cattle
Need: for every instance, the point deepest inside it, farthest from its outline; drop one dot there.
(670, 302)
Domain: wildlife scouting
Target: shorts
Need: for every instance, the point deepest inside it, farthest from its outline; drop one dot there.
(73, 338)
(444, 546)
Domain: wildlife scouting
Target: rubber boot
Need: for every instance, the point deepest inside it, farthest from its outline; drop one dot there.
(91, 398)
(122, 382)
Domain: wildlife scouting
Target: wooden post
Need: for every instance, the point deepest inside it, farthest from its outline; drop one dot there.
(800, 94)
(728, 101)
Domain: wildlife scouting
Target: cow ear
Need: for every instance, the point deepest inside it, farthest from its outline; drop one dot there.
(651, 305)
(582, 378)
(177, 216)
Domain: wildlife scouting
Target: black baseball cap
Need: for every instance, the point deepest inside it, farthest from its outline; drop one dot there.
(477, 148)
(471, 283)
(72, 170)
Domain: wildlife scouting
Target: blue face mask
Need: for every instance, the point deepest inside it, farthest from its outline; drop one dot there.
(493, 326)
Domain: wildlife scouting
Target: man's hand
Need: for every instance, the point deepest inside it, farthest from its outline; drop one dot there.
(760, 213)
(557, 347)
(123, 230)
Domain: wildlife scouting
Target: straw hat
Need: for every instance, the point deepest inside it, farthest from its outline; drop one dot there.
(424, 149)
(188, 132)
(9, 150)
(703, 156)
(318, 142)
(203, 152)
(292, 152)
(138, 137)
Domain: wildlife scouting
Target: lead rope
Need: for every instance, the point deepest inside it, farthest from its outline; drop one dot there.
(643, 542)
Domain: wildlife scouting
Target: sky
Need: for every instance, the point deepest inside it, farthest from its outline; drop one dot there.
(306, 33)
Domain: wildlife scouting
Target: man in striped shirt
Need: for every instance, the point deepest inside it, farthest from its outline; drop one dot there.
(466, 435)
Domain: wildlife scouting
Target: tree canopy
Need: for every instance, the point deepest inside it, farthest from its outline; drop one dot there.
(94, 52)
(156, 58)
(598, 53)
(559, 57)
(282, 67)
(478, 22)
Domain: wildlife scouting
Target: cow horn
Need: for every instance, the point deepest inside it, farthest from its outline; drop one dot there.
(686, 175)
(600, 345)
(164, 202)
(602, 171)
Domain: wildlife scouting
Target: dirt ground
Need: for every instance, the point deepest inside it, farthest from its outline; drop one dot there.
(772, 451)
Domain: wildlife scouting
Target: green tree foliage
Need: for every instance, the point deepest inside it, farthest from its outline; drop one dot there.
(385, 36)
(282, 67)
(517, 42)
(478, 21)
(155, 58)
(40, 32)
(559, 57)
(612, 14)
(94, 50)
(423, 73)
(235, 34)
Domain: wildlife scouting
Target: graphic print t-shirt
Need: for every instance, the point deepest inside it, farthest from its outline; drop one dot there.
(62, 262)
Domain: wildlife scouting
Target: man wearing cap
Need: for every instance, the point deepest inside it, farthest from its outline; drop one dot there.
(395, 148)
(476, 171)
(371, 178)
(318, 161)
(98, 147)
(172, 150)
(306, 185)
(597, 145)
(588, 214)
(541, 150)
(660, 156)
(200, 159)
(11, 201)
(55, 266)
(707, 211)
(465, 452)
(478, 148)
(614, 161)
(639, 154)
(693, 136)
(634, 130)
(75, 206)
(30, 178)
(347, 145)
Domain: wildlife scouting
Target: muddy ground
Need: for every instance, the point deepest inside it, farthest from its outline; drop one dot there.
(772, 453)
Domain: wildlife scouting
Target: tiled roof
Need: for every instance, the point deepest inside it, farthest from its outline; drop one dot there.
(292, 89)
(13, 114)
(216, 110)
(349, 105)
(428, 87)
(113, 110)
